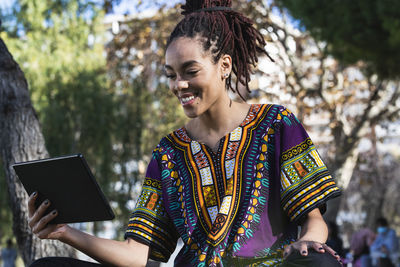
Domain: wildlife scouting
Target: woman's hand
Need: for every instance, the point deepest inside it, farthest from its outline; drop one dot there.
(39, 222)
(302, 246)
(313, 235)
(109, 252)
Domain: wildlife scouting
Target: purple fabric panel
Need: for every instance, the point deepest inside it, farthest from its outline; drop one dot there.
(153, 170)
(290, 133)
(262, 239)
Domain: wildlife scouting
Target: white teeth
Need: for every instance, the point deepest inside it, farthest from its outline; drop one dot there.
(187, 99)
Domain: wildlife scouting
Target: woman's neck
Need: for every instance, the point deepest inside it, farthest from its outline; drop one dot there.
(218, 121)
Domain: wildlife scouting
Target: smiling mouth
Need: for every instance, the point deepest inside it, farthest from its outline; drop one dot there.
(187, 100)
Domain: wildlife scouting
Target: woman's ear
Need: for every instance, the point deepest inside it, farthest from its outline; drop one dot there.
(226, 64)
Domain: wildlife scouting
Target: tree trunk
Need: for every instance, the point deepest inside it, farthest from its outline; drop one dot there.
(342, 170)
(21, 140)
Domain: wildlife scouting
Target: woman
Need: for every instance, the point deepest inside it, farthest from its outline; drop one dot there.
(235, 182)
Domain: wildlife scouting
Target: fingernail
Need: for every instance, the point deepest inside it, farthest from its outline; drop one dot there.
(304, 252)
(336, 254)
(46, 202)
(34, 194)
(321, 248)
(285, 254)
(54, 212)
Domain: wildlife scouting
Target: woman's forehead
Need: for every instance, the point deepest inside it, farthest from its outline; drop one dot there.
(185, 46)
(185, 49)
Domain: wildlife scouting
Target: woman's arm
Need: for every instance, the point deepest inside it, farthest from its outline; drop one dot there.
(314, 233)
(314, 227)
(110, 252)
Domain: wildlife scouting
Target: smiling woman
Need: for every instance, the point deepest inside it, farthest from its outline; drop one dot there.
(236, 181)
(188, 65)
(222, 31)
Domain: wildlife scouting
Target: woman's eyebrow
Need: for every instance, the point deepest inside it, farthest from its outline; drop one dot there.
(184, 65)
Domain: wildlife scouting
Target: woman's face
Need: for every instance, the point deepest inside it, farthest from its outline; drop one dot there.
(196, 81)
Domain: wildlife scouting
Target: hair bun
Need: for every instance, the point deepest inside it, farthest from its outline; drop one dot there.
(193, 5)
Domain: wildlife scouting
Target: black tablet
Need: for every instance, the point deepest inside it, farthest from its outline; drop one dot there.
(69, 185)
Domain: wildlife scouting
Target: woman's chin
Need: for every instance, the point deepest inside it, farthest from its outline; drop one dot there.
(191, 115)
(190, 112)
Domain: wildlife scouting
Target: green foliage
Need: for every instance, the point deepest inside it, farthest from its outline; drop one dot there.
(57, 42)
(60, 49)
(65, 69)
(148, 111)
(365, 30)
(85, 103)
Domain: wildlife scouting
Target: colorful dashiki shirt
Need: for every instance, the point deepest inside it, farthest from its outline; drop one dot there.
(238, 206)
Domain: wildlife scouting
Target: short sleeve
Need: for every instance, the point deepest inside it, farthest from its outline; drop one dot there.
(306, 183)
(149, 222)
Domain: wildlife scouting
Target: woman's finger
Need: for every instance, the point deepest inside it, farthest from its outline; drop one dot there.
(49, 228)
(331, 251)
(31, 204)
(303, 248)
(318, 247)
(286, 252)
(38, 214)
(43, 223)
(45, 232)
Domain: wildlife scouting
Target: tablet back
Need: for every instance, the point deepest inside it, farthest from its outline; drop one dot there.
(69, 185)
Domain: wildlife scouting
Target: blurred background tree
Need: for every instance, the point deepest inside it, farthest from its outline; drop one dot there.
(367, 31)
(360, 92)
(60, 46)
(5, 212)
(108, 115)
(21, 140)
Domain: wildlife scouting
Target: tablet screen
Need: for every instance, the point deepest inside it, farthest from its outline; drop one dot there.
(69, 185)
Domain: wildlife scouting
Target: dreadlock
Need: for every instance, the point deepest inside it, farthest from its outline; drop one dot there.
(225, 31)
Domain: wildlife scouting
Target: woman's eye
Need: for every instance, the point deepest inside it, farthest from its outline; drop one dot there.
(192, 72)
(170, 76)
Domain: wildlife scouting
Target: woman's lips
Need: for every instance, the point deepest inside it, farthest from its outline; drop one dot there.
(187, 99)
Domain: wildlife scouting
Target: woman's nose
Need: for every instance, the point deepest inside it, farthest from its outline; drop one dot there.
(180, 84)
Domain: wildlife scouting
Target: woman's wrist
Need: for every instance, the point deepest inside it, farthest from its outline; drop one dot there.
(65, 234)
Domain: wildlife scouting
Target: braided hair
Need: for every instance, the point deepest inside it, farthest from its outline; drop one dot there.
(222, 31)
